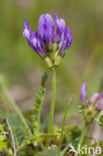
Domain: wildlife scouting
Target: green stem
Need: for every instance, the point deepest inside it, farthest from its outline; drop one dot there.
(63, 124)
(84, 131)
(53, 100)
(65, 149)
(16, 108)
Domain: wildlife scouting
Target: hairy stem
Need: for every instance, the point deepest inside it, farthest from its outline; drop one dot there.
(53, 100)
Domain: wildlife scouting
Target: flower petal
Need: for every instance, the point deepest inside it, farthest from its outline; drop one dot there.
(61, 41)
(67, 39)
(60, 23)
(46, 28)
(94, 97)
(27, 31)
(100, 105)
(36, 43)
(83, 93)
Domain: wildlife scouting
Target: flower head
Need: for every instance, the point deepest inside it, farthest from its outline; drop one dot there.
(96, 99)
(93, 106)
(45, 42)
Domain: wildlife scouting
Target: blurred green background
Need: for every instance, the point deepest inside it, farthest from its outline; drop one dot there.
(22, 68)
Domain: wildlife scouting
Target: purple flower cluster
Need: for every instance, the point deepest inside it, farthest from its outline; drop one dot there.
(48, 44)
(96, 100)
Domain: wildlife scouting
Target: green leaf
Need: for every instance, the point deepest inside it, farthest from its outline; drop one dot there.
(3, 143)
(100, 122)
(38, 104)
(1, 128)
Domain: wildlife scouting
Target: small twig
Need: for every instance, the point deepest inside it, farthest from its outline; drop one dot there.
(12, 136)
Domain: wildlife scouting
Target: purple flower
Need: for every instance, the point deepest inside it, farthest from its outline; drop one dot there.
(46, 28)
(45, 42)
(83, 93)
(96, 99)
(27, 31)
(35, 43)
(60, 23)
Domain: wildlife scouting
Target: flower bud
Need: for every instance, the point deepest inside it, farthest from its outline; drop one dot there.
(93, 106)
